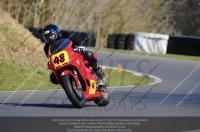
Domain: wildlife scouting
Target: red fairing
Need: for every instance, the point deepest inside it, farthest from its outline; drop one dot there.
(50, 66)
(86, 73)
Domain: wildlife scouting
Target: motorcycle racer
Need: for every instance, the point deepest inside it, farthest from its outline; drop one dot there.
(51, 33)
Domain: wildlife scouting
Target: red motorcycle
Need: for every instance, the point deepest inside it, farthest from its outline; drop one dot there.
(75, 76)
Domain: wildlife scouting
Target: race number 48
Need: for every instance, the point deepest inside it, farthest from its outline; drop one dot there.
(60, 59)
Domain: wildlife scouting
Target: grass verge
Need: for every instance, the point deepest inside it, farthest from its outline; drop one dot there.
(15, 79)
(115, 78)
(24, 79)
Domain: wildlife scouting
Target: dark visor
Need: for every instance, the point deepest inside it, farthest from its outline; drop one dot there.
(49, 37)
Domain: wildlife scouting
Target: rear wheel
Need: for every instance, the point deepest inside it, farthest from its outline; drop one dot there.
(74, 93)
(104, 98)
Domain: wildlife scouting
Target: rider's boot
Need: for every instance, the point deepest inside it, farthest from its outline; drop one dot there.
(98, 71)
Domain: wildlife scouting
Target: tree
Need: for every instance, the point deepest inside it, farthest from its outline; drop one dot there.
(186, 17)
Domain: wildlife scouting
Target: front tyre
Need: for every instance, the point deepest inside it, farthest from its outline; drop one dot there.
(74, 94)
(104, 98)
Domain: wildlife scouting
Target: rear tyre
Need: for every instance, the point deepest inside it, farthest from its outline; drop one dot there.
(104, 98)
(74, 94)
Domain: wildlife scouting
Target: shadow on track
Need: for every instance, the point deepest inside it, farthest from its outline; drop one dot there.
(49, 105)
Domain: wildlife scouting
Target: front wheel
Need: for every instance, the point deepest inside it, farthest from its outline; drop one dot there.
(104, 98)
(74, 93)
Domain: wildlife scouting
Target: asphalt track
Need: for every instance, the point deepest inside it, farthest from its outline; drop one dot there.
(178, 95)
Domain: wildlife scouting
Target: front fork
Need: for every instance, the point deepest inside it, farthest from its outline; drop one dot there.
(74, 75)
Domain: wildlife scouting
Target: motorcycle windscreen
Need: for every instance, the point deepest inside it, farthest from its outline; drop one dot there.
(58, 46)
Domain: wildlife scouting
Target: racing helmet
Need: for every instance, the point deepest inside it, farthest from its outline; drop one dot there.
(51, 33)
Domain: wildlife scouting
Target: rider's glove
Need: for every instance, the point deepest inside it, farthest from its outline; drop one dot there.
(80, 49)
